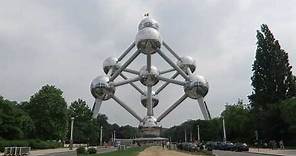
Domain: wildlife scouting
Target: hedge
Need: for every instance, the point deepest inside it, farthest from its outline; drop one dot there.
(34, 144)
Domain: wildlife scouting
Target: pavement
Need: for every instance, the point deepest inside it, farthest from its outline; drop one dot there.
(230, 153)
(268, 151)
(256, 152)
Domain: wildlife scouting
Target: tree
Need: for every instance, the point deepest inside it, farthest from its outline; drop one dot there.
(15, 123)
(239, 126)
(272, 79)
(288, 109)
(272, 82)
(85, 128)
(48, 110)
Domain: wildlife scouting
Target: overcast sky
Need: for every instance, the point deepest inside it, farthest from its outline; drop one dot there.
(64, 43)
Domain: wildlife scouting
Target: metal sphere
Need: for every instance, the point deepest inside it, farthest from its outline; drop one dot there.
(148, 121)
(155, 100)
(149, 79)
(148, 22)
(148, 40)
(196, 87)
(187, 62)
(101, 89)
(110, 62)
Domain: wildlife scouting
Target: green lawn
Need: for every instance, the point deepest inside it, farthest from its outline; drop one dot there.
(128, 152)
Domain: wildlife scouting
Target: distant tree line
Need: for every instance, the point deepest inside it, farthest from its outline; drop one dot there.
(271, 111)
(46, 117)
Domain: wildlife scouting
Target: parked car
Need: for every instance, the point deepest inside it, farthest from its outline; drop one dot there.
(241, 147)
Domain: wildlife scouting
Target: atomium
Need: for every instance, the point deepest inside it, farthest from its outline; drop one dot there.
(149, 42)
(149, 78)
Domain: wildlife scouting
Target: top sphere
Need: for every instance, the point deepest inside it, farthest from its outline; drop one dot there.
(148, 22)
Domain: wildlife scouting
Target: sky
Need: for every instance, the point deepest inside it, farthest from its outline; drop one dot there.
(64, 43)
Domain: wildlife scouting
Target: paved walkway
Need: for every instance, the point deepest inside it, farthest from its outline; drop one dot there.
(158, 151)
(273, 152)
(51, 151)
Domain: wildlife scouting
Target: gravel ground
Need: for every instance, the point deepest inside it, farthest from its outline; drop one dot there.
(158, 151)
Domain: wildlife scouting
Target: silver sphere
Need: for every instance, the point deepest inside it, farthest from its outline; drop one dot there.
(148, 22)
(110, 62)
(148, 38)
(148, 121)
(155, 100)
(101, 89)
(187, 62)
(149, 79)
(196, 87)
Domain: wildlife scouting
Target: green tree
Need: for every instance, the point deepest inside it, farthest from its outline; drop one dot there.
(272, 82)
(85, 128)
(48, 110)
(272, 79)
(14, 122)
(288, 109)
(238, 119)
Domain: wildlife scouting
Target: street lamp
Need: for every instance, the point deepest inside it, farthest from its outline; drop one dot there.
(198, 136)
(101, 136)
(71, 136)
(224, 131)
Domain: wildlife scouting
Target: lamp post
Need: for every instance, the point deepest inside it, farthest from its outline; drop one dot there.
(101, 136)
(224, 131)
(198, 136)
(71, 136)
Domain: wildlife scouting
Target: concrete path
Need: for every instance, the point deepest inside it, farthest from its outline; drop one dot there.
(230, 153)
(53, 152)
(273, 152)
(158, 151)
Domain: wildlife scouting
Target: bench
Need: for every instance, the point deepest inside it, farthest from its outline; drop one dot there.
(17, 151)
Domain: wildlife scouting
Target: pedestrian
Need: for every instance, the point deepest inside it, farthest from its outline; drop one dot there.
(162, 144)
(281, 143)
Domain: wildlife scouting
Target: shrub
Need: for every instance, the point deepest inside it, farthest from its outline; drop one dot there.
(91, 151)
(81, 150)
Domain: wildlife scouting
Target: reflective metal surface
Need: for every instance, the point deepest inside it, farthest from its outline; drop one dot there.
(196, 87)
(110, 62)
(148, 22)
(187, 62)
(100, 88)
(148, 41)
(155, 100)
(149, 78)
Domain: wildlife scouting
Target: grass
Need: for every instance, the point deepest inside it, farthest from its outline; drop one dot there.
(128, 152)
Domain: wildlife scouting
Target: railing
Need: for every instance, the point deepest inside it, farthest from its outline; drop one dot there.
(17, 151)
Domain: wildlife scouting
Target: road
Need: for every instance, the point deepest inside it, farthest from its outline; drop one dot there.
(229, 153)
(69, 153)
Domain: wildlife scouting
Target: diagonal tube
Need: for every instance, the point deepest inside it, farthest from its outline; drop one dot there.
(166, 84)
(96, 107)
(207, 110)
(126, 81)
(171, 108)
(171, 50)
(118, 71)
(171, 81)
(166, 71)
(170, 62)
(131, 71)
(126, 51)
(203, 108)
(126, 108)
(132, 84)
